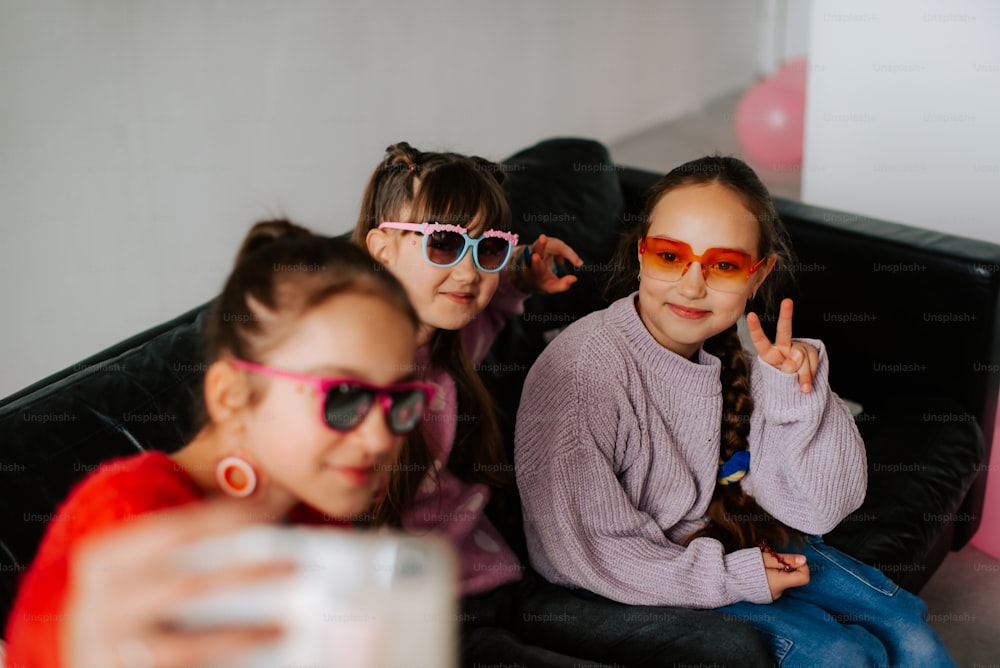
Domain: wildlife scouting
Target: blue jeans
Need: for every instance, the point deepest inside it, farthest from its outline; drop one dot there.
(850, 614)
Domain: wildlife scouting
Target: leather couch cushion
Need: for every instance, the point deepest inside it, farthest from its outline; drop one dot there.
(565, 188)
(922, 457)
(143, 393)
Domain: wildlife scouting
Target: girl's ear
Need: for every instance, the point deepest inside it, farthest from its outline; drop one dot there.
(380, 246)
(227, 392)
(761, 274)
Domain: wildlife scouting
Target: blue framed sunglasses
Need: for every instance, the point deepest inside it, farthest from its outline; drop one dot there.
(446, 245)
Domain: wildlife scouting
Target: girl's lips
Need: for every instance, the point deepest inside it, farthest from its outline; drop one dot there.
(359, 475)
(460, 297)
(688, 313)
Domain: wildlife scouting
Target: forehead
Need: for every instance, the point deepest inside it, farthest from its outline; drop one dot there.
(473, 201)
(705, 216)
(352, 331)
(474, 225)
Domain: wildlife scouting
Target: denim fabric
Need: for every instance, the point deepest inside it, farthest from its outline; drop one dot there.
(534, 623)
(850, 614)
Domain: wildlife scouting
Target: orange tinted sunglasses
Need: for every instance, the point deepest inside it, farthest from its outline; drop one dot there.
(724, 269)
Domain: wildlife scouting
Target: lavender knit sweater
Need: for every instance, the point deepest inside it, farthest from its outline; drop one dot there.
(616, 452)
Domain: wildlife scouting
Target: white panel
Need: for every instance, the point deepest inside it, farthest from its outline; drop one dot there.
(902, 113)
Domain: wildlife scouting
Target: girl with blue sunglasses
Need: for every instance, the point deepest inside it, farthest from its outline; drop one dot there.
(440, 223)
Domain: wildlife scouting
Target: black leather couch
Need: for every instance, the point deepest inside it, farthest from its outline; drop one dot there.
(910, 318)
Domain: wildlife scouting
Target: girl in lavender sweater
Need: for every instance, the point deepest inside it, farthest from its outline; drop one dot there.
(440, 223)
(660, 464)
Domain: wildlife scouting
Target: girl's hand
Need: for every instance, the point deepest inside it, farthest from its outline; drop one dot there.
(124, 583)
(779, 578)
(784, 354)
(538, 275)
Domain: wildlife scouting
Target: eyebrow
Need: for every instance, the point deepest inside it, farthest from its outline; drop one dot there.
(327, 371)
(681, 241)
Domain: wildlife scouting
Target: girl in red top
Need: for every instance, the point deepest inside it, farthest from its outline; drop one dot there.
(307, 397)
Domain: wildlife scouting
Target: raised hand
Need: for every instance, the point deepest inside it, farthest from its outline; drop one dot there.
(784, 354)
(538, 272)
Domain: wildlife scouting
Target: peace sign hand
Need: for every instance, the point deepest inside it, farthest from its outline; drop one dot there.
(784, 354)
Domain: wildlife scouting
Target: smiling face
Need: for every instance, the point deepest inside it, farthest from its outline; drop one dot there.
(339, 473)
(443, 297)
(681, 315)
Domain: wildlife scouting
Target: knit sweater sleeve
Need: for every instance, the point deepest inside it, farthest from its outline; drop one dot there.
(584, 530)
(808, 466)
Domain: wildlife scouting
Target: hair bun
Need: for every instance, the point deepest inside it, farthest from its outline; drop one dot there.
(401, 156)
(266, 232)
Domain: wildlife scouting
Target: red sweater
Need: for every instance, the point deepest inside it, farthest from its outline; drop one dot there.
(117, 491)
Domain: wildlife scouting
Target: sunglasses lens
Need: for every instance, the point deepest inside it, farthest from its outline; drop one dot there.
(407, 409)
(346, 406)
(443, 248)
(666, 258)
(726, 270)
(492, 253)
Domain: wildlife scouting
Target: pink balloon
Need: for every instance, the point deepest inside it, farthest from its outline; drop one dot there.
(987, 538)
(769, 122)
(793, 72)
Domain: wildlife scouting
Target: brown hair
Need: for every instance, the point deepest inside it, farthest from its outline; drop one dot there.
(282, 271)
(454, 189)
(735, 518)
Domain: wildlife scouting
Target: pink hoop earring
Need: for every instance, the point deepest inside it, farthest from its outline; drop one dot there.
(224, 476)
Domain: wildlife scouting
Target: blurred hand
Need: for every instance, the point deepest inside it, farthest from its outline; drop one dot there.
(124, 583)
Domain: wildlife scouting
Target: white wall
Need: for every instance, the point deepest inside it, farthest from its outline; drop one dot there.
(796, 27)
(783, 26)
(903, 112)
(138, 140)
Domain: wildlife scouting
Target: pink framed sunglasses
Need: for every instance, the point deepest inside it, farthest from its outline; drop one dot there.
(445, 245)
(346, 401)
